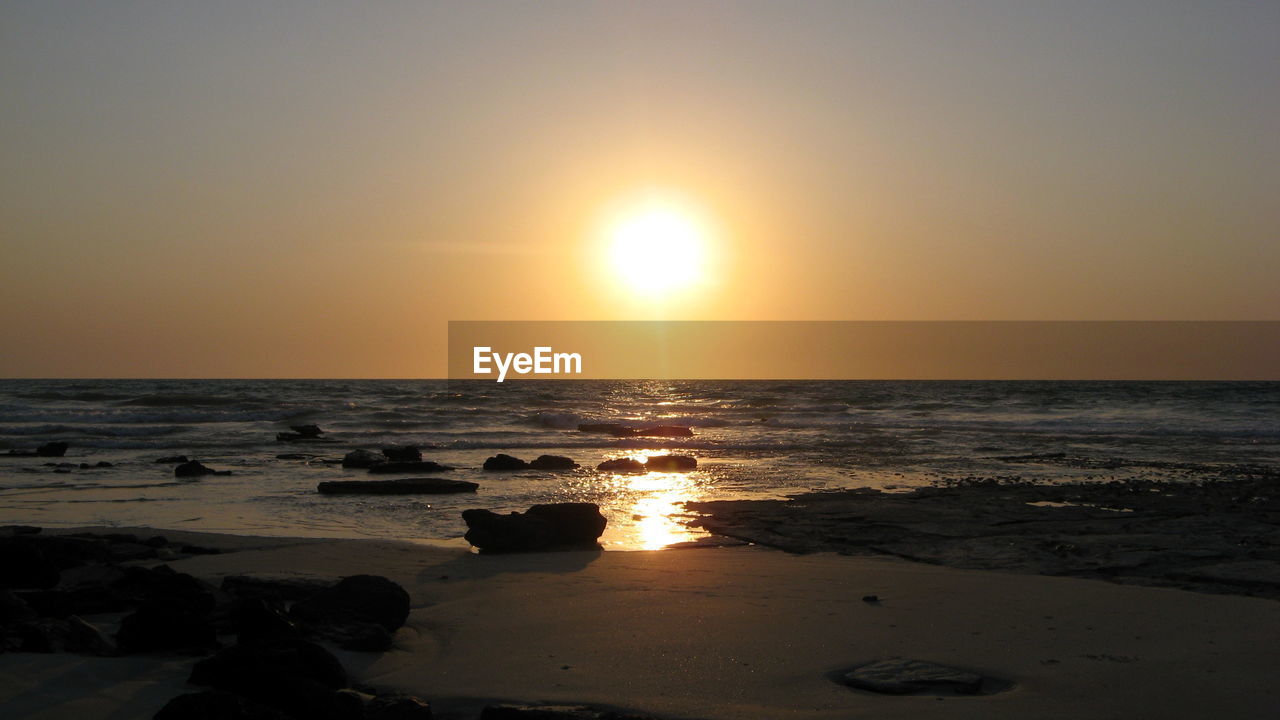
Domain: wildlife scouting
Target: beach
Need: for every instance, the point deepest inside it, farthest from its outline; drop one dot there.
(730, 632)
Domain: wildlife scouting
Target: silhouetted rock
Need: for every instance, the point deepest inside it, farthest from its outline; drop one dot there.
(193, 468)
(295, 456)
(24, 564)
(505, 462)
(553, 462)
(84, 637)
(161, 585)
(297, 677)
(42, 635)
(554, 712)
(76, 601)
(361, 459)
(257, 621)
(156, 628)
(15, 530)
(408, 453)
(900, 676)
(621, 465)
(606, 428)
(392, 468)
(14, 609)
(397, 707)
(671, 463)
(557, 526)
(664, 431)
(217, 705)
(52, 449)
(310, 431)
(399, 486)
(356, 635)
(288, 589)
(369, 598)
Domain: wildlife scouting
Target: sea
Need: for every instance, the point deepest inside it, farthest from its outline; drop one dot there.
(752, 440)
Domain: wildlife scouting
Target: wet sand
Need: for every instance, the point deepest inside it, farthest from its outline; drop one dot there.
(736, 632)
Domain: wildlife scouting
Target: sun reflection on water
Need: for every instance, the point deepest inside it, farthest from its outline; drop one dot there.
(656, 500)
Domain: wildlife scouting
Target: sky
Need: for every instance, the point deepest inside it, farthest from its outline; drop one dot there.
(314, 189)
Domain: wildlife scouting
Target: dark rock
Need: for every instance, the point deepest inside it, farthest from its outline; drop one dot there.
(399, 486)
(294, 456)
(161, 585)
(871, 599)
(243, 666)
(606, 428)
(900, 676)
(288, 589)
(505, 462)
(84, 637)
(408, 453)
(357, 635)
(24, 564)
(173, 459)
(193, 468)
(257, 621)
(217, 705)
(370, 598)
(553, 462)
(308, 431)
(68, 551)
(14, 609)
(664, 431)
(361, 459)
(554, 712)
(389, 468)
(12, 530)
(621, 465)
(42, 635)
(158, 628)
(52, 449)
(397, 707)
(558, 526)
(78, 601)
(198, 550)
(671, 463)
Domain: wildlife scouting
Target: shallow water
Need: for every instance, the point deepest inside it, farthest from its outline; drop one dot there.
(752, 440)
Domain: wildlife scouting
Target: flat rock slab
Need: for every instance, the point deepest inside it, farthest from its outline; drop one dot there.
(399, 486)
(901, 676)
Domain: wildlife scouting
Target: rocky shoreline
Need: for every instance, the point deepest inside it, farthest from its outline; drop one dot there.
(1217, 536)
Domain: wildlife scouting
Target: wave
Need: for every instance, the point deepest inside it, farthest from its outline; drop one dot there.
(189, 400)
(95, 430)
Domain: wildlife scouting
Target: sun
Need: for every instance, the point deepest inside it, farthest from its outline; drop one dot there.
(658, 246)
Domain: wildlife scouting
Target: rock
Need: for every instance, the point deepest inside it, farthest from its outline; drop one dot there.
(399, 486)
(173, 459)
(256, 621)
(393, 468)
(193, 468)
(553, 462)
(52, 449)
(42, 635)
(217, 705)
(84, 637)
(370, 598)
(14, 530)
(162, 586)
(155, 628)
(295, 456)
(505, 462)
(408, 453)
(87, 600)
(397, 707)
(14, 609)
(554, 712)
(900, 676)
(606, 428)
(231, 667)
(289, 589)
(671, 463)
(361, 459)
(24, 564)
(307, 431)
(558, 526)
(622, 465)
(664, 431)
(357, 635)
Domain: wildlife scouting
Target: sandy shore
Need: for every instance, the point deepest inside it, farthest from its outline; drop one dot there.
(741, 632)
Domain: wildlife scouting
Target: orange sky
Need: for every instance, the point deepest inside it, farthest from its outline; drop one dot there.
(316, 189)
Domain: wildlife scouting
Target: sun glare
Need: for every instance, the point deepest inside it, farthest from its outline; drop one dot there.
(657, 247)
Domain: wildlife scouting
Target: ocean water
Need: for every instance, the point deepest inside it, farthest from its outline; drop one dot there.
(757, 439)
